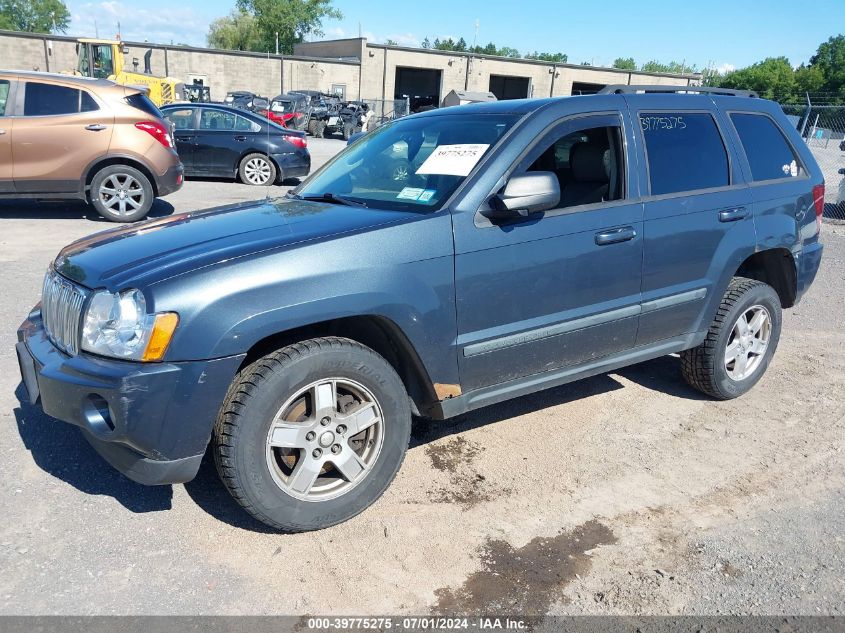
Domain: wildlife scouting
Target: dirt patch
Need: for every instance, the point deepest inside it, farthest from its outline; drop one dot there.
(452, 455)
(528, 579)
(467, 487)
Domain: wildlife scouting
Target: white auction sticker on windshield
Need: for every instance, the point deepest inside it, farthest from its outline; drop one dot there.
(453, 160)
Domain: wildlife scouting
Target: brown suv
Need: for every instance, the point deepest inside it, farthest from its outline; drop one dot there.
(74, 137)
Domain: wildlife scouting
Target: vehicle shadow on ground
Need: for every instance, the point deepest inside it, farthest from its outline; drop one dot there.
(287, 182)
(60, 450)
(68, 210)
(661, 374)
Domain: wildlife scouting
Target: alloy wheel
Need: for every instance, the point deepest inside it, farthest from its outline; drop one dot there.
(121, 194)
(257, 171)
(748, 342)
(325, 439)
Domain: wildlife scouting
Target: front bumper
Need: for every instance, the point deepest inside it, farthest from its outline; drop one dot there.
(171, 181)
(151, 421)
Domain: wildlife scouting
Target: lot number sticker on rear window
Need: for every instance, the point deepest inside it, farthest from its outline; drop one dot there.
(453, 160)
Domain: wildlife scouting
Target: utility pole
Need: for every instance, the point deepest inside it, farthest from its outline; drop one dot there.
(277, 42)
(475, 39)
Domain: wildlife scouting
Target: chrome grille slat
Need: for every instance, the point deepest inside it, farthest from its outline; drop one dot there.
(61, 311)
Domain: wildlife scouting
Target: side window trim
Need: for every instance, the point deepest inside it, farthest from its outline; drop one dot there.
(733, 182)
(584, 120)
(803, 173)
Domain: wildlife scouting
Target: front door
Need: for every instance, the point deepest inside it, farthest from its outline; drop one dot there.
(61, 132)
(7, 184)
(562, 287)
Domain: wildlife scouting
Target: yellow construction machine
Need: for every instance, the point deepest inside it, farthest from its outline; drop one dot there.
(104, 59)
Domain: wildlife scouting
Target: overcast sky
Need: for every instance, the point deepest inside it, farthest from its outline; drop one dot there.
(723, 33)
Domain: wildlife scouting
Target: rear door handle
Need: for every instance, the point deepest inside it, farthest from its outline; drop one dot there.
(95, 127)
(2, 132)
(240, 138)
(184, 138)
(614, 236)
(732, 215)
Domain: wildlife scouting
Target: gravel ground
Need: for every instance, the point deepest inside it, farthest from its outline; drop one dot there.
(628, 493)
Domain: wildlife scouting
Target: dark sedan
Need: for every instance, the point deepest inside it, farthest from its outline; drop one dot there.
(216, 140)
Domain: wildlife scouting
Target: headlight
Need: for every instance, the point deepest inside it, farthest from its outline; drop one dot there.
(117, 325)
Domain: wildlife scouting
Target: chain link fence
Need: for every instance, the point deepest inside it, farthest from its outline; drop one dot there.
(823, 129)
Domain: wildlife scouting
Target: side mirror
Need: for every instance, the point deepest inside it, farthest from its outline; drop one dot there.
(523, 195)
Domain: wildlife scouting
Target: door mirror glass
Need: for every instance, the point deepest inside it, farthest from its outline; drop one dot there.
(525, 194)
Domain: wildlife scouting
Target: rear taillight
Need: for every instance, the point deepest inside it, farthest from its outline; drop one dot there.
(299, 141)
(158, 131)
(818, 202)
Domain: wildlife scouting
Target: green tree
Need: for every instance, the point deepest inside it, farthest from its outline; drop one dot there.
(34, 16)
(830, 60)
(235, 32)
(772, 78)
(291, 19)
(390, 42)
(560, 58)
(426, 43)
(654, 66)
(625, 63)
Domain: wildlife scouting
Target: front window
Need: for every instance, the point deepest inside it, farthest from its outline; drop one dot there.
(411, 164)
(4, 96)
(103, 61)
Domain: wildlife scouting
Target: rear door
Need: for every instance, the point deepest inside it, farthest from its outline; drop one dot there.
(698, 220)
(61, 130)
(184, 121)
(222, 138)
(7, 184)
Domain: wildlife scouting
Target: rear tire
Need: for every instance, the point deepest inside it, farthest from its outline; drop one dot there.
(257, 169)
(285, 442)
(740, 342)
(121, 193)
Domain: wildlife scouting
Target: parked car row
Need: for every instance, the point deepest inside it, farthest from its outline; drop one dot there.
(64, 136)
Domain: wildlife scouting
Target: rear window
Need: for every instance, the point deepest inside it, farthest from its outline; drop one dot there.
(769, 153)
(685, 152)
(51, 100)
(143, 103)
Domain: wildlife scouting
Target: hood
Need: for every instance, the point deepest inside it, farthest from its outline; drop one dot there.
(141, 254)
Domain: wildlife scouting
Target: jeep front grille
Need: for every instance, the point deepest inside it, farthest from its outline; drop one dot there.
(61, 311)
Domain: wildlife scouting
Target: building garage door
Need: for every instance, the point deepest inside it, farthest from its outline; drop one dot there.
(505, 87)
(421, 86)
(584, 88)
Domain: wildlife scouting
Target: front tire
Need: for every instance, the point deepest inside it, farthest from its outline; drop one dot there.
(312, 434)
(257, 169)
(121, 193)
(740, 342)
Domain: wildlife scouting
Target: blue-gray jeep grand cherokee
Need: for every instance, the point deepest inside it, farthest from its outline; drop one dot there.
(447, 261)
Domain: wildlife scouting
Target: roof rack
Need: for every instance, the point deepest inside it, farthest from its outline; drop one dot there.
(619, 89)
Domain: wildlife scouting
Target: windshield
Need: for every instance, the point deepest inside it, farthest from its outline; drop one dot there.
(282, 106)
(410, 164)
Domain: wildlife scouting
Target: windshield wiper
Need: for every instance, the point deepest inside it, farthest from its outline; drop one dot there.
(332, 198)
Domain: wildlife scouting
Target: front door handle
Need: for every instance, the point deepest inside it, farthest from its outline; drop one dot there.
(184, 138)
(732, 215)
(2, 132)
(614, 236)
(95, 127)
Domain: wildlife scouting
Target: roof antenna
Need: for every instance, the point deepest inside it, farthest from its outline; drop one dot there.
(269, 122)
